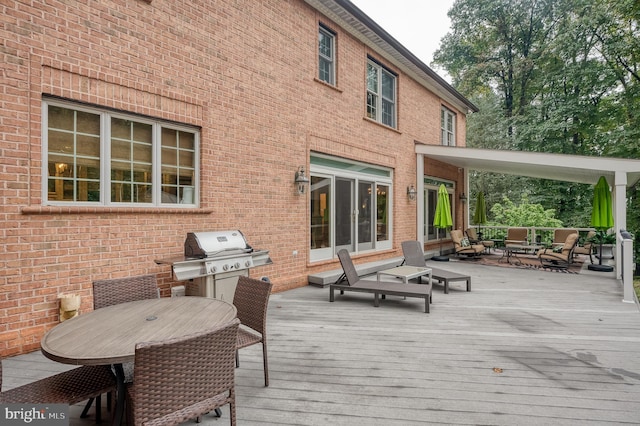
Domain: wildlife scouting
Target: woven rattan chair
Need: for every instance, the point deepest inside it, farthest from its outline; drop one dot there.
(461, 249)
(120, 290)
(251, 299)
(69, 387)
(184, 378)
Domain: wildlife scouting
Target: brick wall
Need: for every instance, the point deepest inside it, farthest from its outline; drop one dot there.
(245, 73)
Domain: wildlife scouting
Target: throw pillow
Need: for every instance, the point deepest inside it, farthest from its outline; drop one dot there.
(465, 242)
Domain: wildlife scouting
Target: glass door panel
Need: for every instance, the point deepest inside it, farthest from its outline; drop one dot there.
(344, 214)
(366, 218)
(382, 213)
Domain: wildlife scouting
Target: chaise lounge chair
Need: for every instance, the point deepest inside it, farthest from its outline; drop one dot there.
(553, 259)
(414, 256)
(463, 246)
(354, 283)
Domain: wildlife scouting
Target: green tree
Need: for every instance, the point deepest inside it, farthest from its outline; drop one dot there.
(525, 213)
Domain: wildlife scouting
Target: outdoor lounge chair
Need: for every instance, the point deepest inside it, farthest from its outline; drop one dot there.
(463, 246)
(551, 258)
(378, 288)
(414, 256)
(517, 236)
(587, 247)
(560, 236)
(473, 239)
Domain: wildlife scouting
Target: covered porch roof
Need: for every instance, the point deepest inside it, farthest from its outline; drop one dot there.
(620, 173)
(567, 168)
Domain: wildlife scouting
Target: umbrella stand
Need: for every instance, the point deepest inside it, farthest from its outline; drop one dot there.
(440, 258)
(600, 267)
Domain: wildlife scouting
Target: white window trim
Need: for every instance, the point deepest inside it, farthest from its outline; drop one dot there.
(332, 60)
(379, 96)
(333, 173)
(448, 113)
(105, 148)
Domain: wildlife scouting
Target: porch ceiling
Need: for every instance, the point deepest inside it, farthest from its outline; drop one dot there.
(568, 168)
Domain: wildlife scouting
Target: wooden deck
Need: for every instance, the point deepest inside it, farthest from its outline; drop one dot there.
(522, 348)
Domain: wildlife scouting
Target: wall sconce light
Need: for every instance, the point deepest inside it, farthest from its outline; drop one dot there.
(411, 192)
(301, 180)
(463, 198)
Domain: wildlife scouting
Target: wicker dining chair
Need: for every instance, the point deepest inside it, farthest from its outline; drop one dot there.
(251, 299)
(69, 387)
(183, 378)
(113, 292)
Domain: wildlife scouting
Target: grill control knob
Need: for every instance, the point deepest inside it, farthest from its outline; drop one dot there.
(237, 265)
(247, 263)
(225, 267)
(213, 269)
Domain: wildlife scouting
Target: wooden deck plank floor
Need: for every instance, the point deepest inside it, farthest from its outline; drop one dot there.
(524, 347)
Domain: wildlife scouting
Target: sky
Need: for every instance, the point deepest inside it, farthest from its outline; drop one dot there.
(418, 25)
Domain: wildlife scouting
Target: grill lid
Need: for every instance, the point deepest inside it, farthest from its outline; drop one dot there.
(210, 244)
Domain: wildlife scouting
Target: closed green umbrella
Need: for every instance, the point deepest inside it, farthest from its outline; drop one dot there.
(601, 215)
(442, 217)
(480, 215)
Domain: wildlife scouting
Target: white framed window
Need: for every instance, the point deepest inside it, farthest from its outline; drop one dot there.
(381, 94)
(350, 204)
(431, 186)
(326, 55)
(448, 127)
(96, 156)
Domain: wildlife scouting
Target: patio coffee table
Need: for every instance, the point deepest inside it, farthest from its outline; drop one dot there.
(108, 336)
(406, 273)
(510, 252)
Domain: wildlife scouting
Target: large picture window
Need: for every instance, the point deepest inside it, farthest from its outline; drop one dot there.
(101, 157)
(381, 94)
(350, 207)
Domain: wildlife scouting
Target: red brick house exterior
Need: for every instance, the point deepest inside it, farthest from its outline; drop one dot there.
(243, 78)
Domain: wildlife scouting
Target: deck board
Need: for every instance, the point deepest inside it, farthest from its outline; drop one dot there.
(568, 347)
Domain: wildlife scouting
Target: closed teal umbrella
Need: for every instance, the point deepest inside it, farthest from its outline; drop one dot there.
(601, 214)
(442, 217)
(480, 215)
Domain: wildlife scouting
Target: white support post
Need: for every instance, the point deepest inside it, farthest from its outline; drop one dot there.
(420, 198)
(627, 269)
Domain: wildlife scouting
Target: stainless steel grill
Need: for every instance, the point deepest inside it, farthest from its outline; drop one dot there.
(213, 261)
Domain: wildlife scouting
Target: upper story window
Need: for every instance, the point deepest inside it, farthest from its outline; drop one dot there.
(381, 94)
(326, 56)
(100, 157)
(448, 127)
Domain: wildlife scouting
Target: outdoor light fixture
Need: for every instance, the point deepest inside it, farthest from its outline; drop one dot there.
(463, 198)
(301, 180)
(411, 192)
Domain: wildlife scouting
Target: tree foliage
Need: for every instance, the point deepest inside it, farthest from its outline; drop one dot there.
(559, 76)
(525, 213)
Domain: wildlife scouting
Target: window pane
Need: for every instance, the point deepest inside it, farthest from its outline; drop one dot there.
(388, 86)
(73, 137)
(320, 212)
(382, 210)
(371, 106)
(388, 113)
(372, 78)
